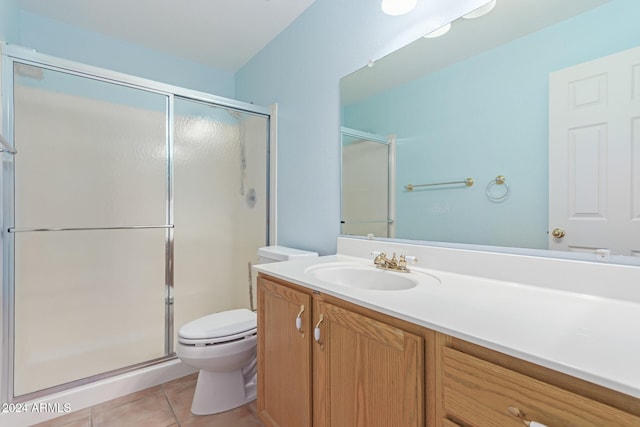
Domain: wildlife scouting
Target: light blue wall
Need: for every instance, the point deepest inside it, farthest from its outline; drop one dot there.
(65, 41)
(447, 130)
(9, 19)
(300, 70)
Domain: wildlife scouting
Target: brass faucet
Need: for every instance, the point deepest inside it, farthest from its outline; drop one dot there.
(393, 264)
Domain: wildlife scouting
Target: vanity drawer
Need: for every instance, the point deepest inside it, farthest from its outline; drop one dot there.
(479, 393)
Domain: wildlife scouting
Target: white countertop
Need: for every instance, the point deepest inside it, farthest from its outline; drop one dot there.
(592, 337)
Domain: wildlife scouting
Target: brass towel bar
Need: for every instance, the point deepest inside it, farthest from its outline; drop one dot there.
(468, 182)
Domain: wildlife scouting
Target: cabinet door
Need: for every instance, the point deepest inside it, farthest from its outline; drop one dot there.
(366, 373)
(284, 356)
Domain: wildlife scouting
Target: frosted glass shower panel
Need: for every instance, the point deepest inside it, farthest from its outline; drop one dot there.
(86, 302)
(92, 153)
(220, 205)
(365, 187)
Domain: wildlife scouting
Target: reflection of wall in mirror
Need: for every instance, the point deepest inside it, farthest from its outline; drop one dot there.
(460, 121)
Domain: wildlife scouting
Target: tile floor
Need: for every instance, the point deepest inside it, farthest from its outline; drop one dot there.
(166, 405)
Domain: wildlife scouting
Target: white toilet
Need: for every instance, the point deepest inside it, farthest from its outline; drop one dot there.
(223, 346)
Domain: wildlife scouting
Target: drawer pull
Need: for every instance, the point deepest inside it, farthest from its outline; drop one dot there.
(518, 413)
(299, 319)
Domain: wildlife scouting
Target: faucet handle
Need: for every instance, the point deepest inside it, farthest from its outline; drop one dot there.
(411, 259)
(379, 257)
(402, 263)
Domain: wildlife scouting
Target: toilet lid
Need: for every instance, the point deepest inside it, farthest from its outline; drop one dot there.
(220, 325)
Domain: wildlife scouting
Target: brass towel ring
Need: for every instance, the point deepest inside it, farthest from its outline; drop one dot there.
(499, 195)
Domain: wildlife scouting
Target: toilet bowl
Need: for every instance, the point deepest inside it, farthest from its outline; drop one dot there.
(223, 347)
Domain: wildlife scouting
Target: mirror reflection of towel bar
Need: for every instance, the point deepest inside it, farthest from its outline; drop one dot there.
(388, 221)
(7, 147)
(468, 182)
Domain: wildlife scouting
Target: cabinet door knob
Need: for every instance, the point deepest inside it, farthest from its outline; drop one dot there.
(316, 331)
(558, 233)
(519, 414)
(299, 319)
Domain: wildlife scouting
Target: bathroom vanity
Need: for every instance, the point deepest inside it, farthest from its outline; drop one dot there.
(357, 365)
(459, 351)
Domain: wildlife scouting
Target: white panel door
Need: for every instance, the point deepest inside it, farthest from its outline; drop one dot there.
(594, 156)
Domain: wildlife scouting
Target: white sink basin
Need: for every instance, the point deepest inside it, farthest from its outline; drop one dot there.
(367, 277)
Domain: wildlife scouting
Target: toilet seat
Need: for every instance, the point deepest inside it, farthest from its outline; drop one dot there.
(219, 328)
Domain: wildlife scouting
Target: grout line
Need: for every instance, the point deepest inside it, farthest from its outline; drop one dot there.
(173, 410)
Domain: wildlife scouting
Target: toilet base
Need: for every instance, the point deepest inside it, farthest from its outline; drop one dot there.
(221, 391)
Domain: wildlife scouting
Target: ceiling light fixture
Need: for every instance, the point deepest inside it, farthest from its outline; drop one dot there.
(439, 31)
(481, 11)
(398, 7)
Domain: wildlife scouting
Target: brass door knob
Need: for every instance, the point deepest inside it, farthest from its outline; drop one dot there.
(558, 233)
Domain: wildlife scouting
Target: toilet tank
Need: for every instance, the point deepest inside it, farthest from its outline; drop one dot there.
(281, 253)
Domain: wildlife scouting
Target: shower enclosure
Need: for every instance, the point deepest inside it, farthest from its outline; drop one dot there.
(367, 184)
(130, 208)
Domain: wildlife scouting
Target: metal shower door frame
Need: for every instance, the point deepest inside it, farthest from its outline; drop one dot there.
(15, 54)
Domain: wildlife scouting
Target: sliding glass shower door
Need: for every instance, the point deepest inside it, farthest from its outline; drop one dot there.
(130, 208)
(220, 158)
(91, 219)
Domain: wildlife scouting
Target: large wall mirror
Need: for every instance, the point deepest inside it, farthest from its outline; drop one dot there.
(516, 130)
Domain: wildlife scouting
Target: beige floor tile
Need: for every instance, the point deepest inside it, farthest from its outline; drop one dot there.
(126, 399)
(180, 396)
(178, 382)
(168, 405)
(80, 418)
(238, 417)
(86, 422)
(149, 411)
(253, 407)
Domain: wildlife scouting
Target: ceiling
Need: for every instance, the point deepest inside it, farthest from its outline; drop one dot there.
(223, 34)
(509, 20)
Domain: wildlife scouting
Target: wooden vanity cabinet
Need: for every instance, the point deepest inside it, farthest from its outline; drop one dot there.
(489, 389)
(367, 369)
(366, 373)
(360, 372)
(284, 355)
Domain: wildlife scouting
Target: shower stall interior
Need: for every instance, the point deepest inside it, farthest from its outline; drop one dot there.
(367, 184)
(130, 208)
